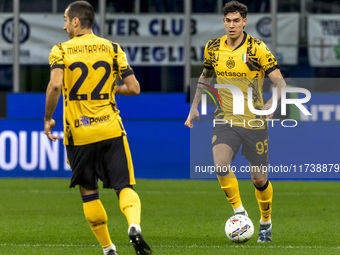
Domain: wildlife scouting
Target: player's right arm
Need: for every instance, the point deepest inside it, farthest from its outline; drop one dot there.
(53, 92)
(205, 78)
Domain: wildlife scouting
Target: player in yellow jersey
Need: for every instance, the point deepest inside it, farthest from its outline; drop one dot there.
(242, 61)
(85, 70)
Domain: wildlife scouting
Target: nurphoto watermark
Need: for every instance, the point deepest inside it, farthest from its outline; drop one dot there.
(238, 105)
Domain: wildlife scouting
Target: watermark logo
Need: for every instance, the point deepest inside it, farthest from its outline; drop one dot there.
(204, 97)
(238, 100)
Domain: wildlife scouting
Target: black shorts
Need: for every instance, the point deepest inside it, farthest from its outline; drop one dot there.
(254, 142)
(108, 160)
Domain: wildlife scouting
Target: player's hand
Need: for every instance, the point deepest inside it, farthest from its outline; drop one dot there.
(49, 124)
(193, 114)
(267, 106)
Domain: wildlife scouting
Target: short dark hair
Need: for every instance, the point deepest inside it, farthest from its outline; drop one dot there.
(83, 11)
(235, 6)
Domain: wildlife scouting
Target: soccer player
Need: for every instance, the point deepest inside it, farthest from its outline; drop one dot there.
(234, 55)
(85, 69)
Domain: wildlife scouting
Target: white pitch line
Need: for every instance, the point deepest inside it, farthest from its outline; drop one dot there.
(48, 245)
(241, 246)
(185, 246)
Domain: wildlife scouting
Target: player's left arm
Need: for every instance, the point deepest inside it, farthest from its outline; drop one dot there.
(272, 69)
(130, 87)
(53, 92)
(276, 77)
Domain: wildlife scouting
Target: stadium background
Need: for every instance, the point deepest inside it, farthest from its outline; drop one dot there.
(307, 47)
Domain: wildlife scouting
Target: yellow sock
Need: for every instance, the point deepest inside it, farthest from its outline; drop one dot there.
(129, 203)
(96, 216)
(264, 198)
(229, 185)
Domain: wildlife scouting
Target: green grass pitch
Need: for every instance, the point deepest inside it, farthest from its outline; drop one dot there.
(44, 216)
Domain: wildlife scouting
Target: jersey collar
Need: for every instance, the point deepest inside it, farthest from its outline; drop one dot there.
(243, 40)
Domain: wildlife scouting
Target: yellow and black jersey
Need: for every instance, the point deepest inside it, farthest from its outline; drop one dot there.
(91, 65)
(243, 67)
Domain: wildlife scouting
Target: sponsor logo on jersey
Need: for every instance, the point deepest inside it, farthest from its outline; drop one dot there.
(86, 121)
(230, 74)
(270, 65)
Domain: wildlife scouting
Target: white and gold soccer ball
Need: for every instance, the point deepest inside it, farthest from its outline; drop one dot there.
(239, 228)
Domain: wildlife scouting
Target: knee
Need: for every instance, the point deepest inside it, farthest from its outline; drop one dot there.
(222, 167)
(119, 190)
(221, 173)
(259, 182)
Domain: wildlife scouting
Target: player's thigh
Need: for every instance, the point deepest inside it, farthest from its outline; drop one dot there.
(225, 145)
(222, 154)
(255, 147)
(84, 191)
(117, 171)
(83, 161)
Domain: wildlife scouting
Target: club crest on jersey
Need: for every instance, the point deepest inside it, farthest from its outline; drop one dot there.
(245, 58)
(230, 63)
(86, 121)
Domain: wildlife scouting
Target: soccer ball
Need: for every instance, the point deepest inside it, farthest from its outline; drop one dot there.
(239, 228)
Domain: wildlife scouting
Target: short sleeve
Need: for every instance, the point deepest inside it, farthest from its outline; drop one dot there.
(267, 59)
(56, 58)
(207, 57)
(121, 63)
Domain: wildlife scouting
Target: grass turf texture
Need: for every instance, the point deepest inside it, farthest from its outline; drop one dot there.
(44, 216)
